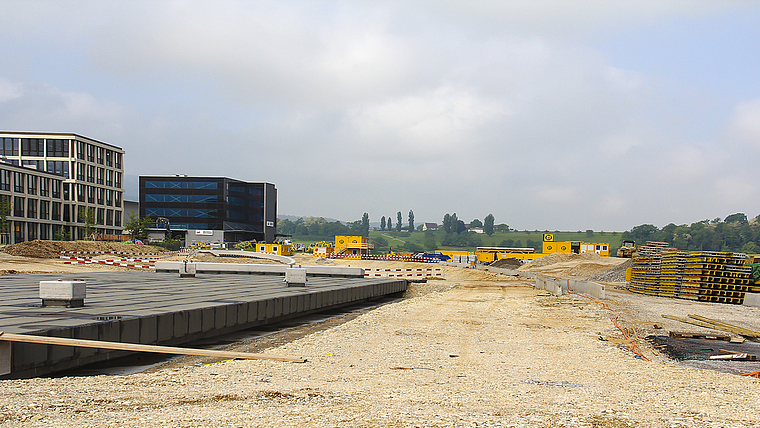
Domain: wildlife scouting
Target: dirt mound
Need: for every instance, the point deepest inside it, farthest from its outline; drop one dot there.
(507, 263)
(560, 258)
(51, 249)
(616, 274)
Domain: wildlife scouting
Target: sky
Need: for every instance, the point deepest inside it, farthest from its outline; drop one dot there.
(548, 114)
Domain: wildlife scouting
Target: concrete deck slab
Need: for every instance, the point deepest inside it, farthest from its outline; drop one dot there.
(161, 308)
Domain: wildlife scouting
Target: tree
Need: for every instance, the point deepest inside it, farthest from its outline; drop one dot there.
(398, 221)
(738, 217)
(138, 227)
(488, 224)
(87, 216)
(589, 233)
(411, 221)
(390, 223)
(476, 223)
(5, 210)
(382, 223)
(447, 223)
(454, 223)
(365, 225)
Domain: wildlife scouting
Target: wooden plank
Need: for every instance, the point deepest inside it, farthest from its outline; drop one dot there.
(727, 327)
(694, 322)
(137, 347)
(703, 336)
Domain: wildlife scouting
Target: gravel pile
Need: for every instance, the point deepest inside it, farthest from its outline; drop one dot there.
(616, 274)
(51, 249)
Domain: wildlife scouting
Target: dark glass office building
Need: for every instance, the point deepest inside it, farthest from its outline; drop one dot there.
(243, 210)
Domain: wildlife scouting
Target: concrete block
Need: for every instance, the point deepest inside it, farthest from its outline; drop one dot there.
(242, 314)
(181, 323)
(220, 318)
(148, 329)
(194, 321)
(253, 311)
(187, 270)
(751, 299)
(295, 277)
(278, 307)
(300, 300)
(165, 327)
(209, 319)
(6, 357)
(57, 353)
(232, 317)
(28, 355)
(109, 331)
(69, 293)
(129, 331)
(262, 310)
(90, 332)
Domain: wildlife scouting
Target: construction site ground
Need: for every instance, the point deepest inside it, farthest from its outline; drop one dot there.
(472, 349)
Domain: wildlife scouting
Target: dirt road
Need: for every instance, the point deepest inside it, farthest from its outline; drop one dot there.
(476, 349)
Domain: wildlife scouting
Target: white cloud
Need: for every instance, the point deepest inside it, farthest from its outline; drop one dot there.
(8, 90)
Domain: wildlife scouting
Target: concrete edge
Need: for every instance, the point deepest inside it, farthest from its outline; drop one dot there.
(251, 254)
(559, 286)
(250, 268)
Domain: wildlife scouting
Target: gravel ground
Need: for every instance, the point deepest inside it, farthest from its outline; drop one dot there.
(475, 349)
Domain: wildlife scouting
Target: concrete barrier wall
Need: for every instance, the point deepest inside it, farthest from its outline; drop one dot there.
(559, 286)
(257, 269)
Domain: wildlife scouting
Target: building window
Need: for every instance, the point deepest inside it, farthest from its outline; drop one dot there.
(90, 173)
(44, 231)
(18, 231)
(31, 208)
(101, 216)
(81, 192)
(66, 212)
(117, 184)
(117, 218)
(117, 160)
(66, 191)
(109, 158)
(31, 184)
(44, 186)
(9, 147)
(117, 199)
(31, 229)
(109, 198)
(109, 178)
(109, 217)
(57, 189)
(80, 171)
(90, 153)
(58, 167)
(5, 179)
(90, 194)
(32, 147)
(44, 210)
(101, 173)
(18, 182)
(58, 148)
(99, 152)
(100, 195)
(55, 213)
(81, 149)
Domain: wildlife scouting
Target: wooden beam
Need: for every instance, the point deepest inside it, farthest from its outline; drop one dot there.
(693, 322)
(728, 327)
(137, 347)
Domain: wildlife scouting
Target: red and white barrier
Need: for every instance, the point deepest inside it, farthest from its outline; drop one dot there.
(403, 273)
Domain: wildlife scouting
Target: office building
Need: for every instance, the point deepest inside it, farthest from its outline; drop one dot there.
(204, 207)
(90, 175)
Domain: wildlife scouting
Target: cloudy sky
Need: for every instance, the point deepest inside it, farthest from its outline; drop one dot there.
(549, 114)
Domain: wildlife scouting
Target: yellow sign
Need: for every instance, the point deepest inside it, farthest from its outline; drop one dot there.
(548, 237)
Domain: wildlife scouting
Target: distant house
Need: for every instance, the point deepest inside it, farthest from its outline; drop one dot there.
(476, 230)
(430, 226)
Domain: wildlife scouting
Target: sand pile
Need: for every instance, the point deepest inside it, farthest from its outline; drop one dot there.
(507, 263)
(560, 258)
(616, 274)
(51, 249)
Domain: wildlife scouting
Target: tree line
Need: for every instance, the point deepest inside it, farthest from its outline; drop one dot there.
(734, 233)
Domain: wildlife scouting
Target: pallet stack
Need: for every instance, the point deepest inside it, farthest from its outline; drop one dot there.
(712, 276)
(647, 267)
(671, 272)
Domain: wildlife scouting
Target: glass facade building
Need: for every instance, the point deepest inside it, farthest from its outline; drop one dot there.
(243, 210)
(86, 174)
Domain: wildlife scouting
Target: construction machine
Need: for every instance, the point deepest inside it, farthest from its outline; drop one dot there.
(627, 250)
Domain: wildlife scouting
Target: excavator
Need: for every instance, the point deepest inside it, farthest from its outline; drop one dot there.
(627, 250)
